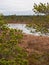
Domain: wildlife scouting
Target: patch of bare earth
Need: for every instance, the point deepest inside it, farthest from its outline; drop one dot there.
(37, 44)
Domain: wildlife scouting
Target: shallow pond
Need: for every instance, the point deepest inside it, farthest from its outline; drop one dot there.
(25, 29)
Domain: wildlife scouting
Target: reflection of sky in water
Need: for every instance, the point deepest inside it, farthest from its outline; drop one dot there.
(25, 29)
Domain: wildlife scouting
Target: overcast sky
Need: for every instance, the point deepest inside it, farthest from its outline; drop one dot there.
(18, 5)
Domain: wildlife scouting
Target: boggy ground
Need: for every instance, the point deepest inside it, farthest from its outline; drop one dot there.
(33, 43)
(37, 48)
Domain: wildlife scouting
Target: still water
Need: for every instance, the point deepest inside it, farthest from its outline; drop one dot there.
(25, 29)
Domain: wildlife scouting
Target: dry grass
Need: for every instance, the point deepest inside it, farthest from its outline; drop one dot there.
(35, 43)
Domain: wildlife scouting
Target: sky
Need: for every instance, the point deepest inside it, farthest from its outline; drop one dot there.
(19, 5)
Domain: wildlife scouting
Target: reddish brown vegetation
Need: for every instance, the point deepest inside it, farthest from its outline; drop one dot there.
(35, 43)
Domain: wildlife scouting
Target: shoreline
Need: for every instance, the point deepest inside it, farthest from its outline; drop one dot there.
(30, 34)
